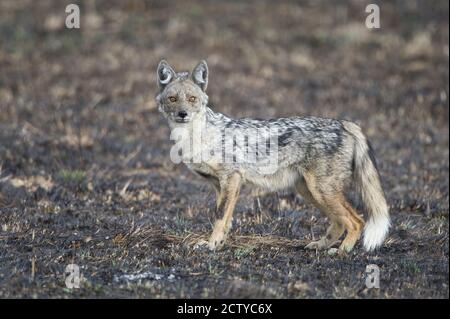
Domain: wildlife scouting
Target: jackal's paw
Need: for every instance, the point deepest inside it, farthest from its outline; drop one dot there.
(346, 248)
(201, 244)
(216, 243)
(317, 245)
(210, 245)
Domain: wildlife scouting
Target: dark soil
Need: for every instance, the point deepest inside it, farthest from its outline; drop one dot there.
(85, 173)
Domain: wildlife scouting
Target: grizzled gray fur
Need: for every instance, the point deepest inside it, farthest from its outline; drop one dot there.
(319, 158)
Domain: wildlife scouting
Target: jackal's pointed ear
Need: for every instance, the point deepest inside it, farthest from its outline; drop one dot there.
(164, 75)
(200, 75)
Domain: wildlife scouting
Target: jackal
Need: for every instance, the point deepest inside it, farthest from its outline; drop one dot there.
(317, 157)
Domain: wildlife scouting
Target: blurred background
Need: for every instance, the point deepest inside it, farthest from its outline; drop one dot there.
(84, 153)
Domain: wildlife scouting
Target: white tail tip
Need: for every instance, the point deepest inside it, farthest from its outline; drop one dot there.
(375, 232)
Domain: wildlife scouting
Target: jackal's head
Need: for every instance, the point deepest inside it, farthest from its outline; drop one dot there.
(182, 97)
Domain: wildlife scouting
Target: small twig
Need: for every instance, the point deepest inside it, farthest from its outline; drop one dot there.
(33, 268)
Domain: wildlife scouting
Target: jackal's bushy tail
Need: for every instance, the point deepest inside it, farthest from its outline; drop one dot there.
(368, 183)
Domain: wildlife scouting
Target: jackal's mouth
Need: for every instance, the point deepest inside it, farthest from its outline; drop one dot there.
(180, 120)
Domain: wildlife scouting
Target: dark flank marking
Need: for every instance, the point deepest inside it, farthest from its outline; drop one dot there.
(229, 124)
(334, 142)
(212, 178)
(204, 175)
(284, 138)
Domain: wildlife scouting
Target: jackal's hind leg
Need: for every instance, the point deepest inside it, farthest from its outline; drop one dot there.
(353, 224)
(344, 218)
(309, 190)
(334, 232)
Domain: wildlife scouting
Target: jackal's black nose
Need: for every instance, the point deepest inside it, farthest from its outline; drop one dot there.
(182, 114)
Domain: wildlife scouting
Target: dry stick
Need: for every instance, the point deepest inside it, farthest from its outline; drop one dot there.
(132, 155)
(33, 268)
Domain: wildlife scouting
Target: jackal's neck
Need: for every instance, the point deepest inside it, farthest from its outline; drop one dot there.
(215, 118)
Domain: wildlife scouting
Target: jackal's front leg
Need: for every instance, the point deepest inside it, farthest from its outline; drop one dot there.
(229, 188)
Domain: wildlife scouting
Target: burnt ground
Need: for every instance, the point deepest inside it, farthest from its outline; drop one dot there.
(85, 172)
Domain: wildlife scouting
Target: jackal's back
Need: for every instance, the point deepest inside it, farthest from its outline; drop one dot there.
(300, 140)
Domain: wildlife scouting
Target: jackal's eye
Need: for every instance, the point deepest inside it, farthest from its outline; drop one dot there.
(172, 99)
(192, 99)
